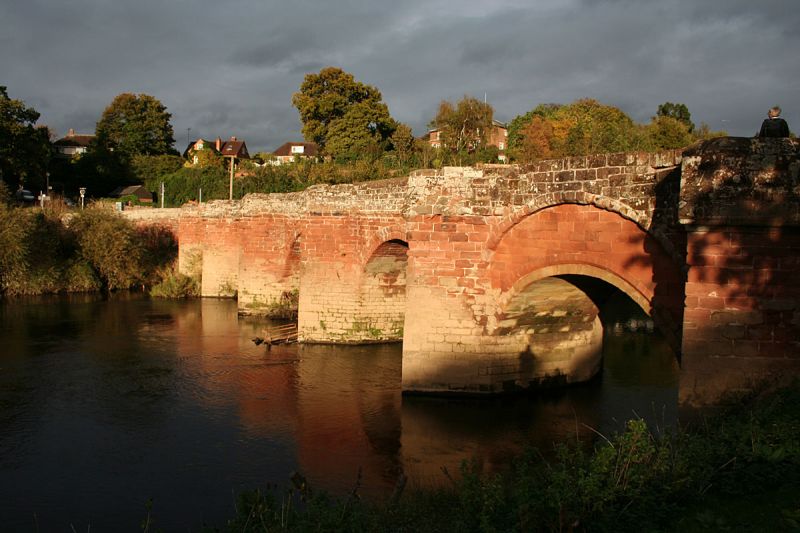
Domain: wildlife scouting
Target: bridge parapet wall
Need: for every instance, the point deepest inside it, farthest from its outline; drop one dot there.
(740, 204)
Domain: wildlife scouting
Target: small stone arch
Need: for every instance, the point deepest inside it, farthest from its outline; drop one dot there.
(380, 237)
(382, 292)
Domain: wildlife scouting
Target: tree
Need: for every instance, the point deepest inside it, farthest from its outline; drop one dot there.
(704, 132)
(465, 125)
(678, 112)
(25, 148)
(135, 125)
(583, 127)
(665, 133)
(402, 141)
(363, 130)
(340, 114)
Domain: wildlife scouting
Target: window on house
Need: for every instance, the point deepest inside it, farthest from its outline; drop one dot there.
(298, 149)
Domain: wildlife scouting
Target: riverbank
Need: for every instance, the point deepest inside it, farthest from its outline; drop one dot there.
(735, 471)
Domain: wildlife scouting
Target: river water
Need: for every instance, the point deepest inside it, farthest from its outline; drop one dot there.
(107, 403)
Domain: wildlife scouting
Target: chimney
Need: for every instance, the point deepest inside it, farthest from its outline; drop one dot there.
(233, 138)
(219, 144)
(71, 133)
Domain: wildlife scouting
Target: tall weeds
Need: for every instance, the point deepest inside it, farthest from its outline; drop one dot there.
(49, 251)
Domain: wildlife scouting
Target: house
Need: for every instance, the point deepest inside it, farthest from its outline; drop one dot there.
(139, 191)
(73, 145)
(233, 147)
(290, 151)
(498, 136)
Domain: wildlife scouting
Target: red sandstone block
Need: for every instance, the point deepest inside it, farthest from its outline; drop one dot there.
(565, 228)
(711, 303)
(598, 246)
(740, 302)
(746, 348)
(459, 237)
(439, 236)
(698, 315)
(466, 282)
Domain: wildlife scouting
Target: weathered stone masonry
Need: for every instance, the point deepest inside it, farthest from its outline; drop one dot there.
(474, 268)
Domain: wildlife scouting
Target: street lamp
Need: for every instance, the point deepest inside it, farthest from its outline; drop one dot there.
(82, 190)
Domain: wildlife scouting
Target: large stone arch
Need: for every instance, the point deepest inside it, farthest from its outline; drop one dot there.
(567, 269)
(614, 205)
(603, 242)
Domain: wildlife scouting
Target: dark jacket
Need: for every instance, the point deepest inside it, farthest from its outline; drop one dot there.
(774, 127)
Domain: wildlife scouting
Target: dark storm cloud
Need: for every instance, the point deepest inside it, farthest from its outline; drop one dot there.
(230, 68)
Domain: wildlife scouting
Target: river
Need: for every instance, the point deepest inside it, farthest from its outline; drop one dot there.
(107, 403)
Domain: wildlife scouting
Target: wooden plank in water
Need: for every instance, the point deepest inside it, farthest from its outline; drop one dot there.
(283, 334)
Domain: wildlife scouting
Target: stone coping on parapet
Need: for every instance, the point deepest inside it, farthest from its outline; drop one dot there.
(725, 181)
(486, 190)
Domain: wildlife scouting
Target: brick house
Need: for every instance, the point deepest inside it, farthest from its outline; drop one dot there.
(498, 136)
(73, 144)
(290, 151)
(233, 147)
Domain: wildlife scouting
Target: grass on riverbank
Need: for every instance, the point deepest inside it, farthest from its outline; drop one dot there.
(736, 471)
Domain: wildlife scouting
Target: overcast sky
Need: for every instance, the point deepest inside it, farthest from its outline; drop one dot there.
(227, 68)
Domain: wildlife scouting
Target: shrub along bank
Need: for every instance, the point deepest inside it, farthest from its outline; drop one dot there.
(52, 250)
(737, 471)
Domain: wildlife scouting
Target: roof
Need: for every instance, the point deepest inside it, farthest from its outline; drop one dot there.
(232, 147)
(75, 139)
(206, 142)
(136, 190)
(309, 149)
(235, 148)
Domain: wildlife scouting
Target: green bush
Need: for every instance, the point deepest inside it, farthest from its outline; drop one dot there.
(175, 285)
(99, 249)
(108, 243)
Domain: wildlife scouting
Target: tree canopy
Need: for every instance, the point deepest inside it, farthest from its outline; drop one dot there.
(25, 148)
(465, 125)
(343, 116)
(678, 112)
(135, 125)
(583, 127)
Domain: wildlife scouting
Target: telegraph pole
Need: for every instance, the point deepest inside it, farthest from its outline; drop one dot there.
(230, 193)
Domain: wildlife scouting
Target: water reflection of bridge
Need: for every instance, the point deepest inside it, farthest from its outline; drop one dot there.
(339, 408)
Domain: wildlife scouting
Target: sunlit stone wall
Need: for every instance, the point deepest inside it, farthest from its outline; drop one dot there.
(740, 204)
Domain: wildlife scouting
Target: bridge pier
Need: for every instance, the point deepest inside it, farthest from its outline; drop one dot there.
(549, 334)
(741, 208)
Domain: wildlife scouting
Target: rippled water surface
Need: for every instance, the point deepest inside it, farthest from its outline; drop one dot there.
(105, 404)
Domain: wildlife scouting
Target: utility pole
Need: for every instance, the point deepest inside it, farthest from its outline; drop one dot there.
(230, 193)
(162, 195)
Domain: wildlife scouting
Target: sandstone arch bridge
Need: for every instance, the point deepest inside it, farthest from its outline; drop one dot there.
(495, 278)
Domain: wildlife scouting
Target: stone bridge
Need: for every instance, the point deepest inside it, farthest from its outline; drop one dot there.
(496, 279)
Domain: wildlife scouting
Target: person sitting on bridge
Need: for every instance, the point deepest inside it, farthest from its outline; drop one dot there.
(774, 126)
